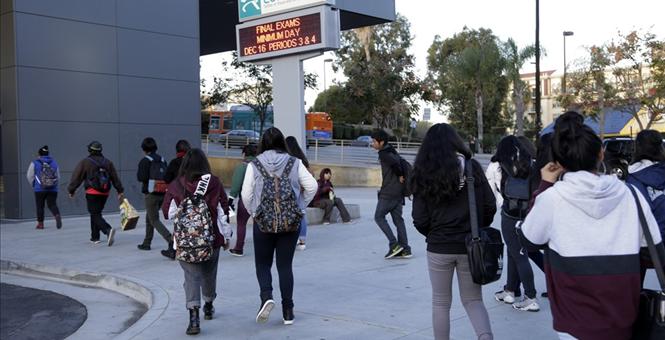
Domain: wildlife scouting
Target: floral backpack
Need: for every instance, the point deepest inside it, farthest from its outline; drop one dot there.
(278, 210)
(193, 225)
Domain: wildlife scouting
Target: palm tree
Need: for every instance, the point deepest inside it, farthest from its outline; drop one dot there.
(515, 59)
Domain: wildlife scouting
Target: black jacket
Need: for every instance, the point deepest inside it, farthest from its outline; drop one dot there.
(143, 173)
(391, 170)
(172, 170)
(447, 225)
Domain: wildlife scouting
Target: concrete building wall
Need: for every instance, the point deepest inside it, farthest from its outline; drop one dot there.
(73, 71)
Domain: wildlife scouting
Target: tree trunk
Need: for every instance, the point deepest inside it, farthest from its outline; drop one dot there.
(519, 111)
(601, 127)
(479, 116)
(262, 119)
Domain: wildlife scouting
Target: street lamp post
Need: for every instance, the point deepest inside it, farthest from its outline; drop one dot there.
(325, 103)
(538, 121)
(563, 82)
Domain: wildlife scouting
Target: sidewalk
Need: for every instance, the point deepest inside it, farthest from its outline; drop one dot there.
(344, 289)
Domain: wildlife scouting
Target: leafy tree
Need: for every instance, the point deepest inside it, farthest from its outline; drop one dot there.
(515, 59)
(341, 106)
(466, 77)
(380, 71)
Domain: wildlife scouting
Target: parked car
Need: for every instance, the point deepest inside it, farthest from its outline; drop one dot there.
(239, 138)
(364, 141)
(618, 154)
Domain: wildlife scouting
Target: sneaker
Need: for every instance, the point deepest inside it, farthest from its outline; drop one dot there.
(95, 241)
(301, 245)
(505, 296)
(238, 253)
(264, 313)
(110, 237)
(58, 221)
(143, 246)
(405, 254)
(170, 253)
(287, 316)
(527, 305)
(349, 222)
(396, 249)
(326, 223)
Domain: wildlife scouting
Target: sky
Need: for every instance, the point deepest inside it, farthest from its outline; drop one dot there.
(593, 22)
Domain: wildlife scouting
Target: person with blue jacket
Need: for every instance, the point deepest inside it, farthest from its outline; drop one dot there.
(44, 175)
(647, 174)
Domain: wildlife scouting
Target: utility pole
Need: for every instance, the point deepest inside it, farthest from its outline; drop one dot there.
(539, 123)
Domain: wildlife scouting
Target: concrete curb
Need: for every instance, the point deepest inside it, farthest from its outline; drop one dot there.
(155, 298)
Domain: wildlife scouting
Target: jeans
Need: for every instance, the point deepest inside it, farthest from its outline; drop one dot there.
(200, 277)
(282, 245)
(519, 267)
(327, 205)
(394, 207)
(48, 197)
(97, 222)
(242, 218)
(153, 204)
(303, 228)
(539, 260)
(441, 270)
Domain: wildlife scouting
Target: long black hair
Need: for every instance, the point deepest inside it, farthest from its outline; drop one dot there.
(515, 159)
(194, 165)
(272, 139)
(575, 146)
(294, 150)
(543, 155)
(649, 145)
(436, 171)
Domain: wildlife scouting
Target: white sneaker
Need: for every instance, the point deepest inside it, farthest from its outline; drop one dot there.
(301, 246)
(350, 222)
(264, 313)
(326, 223)
(505, 296)
(111, 236)
(527, 305)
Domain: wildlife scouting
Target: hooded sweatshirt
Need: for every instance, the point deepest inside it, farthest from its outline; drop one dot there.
(591, 226)
(391, 171)
(649, 178)
(274, 162)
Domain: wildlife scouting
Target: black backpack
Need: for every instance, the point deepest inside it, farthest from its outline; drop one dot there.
(517, 194)
(156, 182)
(100, 179)
(406, 170)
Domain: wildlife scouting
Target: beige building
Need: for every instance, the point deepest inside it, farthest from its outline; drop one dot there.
(550, 87)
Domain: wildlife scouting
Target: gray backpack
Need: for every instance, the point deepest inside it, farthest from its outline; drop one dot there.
(278, 210)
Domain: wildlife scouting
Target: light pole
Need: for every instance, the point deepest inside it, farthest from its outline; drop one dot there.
(563, 82)
(539, 124)
(325, 104)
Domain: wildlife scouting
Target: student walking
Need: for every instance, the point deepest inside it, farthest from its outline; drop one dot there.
(249, 154)
(173, 169)
(647, 174)
(391, 196)
(44, 176)
(590, 225)
(97, 174)
(272, 237)
(326, 199)
(151, 173)
(294, 150)
(441, 213)
(180, 204)
(516, 164)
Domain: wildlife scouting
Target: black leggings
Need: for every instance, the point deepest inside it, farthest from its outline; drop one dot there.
(48, 197)
(265, 246)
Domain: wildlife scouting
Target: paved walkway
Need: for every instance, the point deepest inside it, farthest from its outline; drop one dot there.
(344, 288)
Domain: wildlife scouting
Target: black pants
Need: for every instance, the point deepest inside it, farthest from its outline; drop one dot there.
(519, 267)
(327, 205)
(265, 246)
(97, 222)
(48, 197)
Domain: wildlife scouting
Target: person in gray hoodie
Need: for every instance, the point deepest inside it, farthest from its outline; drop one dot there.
(274, 159)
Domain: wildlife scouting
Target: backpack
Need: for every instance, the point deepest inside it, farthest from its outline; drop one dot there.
(278, 210)
(517, 194)
(47, 176)
(406, 170)
(100, 179)
(192, 226)
(156, 182)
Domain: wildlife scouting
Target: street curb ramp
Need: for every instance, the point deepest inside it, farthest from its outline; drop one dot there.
(146, 293)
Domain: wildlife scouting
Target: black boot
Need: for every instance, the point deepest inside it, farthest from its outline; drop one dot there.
(208, 310)
(194, 323)
(170, 252)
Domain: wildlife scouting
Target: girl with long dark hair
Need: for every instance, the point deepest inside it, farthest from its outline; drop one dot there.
(274, 159)
(294, 150)
(200, 278)
(441, 213)
(589, 224)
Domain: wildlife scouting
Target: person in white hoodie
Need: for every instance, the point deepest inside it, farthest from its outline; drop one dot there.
(590, 225)
(275, 160)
